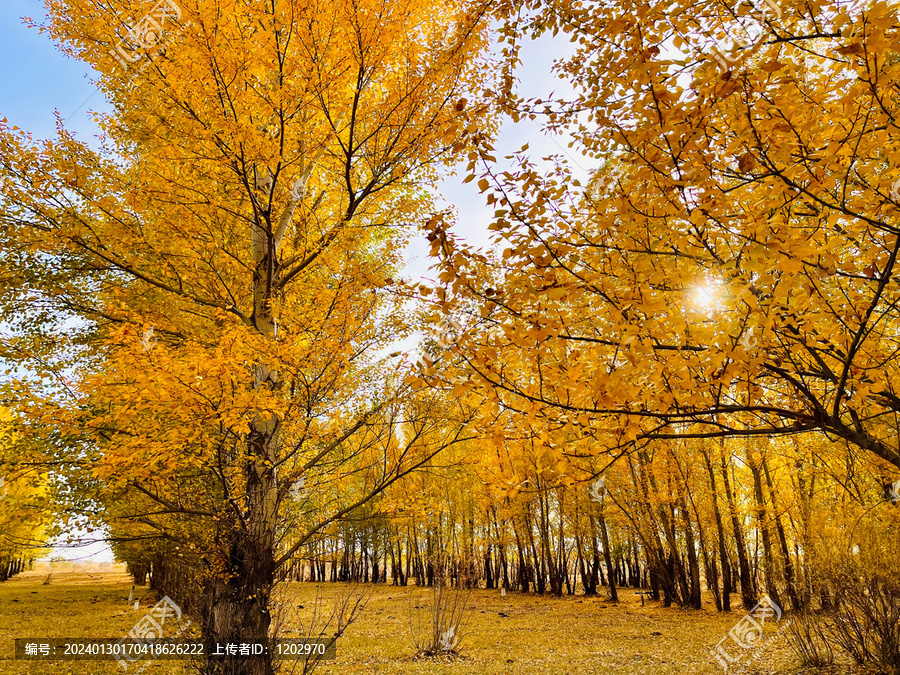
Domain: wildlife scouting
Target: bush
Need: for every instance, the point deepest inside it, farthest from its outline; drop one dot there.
(867, 622)
(810, 640)
(437, 633)
(860, 559)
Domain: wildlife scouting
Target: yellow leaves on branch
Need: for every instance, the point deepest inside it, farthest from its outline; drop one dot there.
(740, 174)
(224, 272)
(24, 512)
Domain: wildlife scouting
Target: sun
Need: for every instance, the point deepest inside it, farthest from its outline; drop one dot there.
(706, 296)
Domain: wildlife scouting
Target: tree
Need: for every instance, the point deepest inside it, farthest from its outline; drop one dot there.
(24, 511)
(731, 267)
(223, 265)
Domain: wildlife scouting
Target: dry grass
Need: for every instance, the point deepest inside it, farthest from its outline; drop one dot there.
(81, 601)
(516, 634)
(531, 634)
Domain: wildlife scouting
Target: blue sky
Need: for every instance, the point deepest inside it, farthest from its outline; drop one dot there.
(38, 80)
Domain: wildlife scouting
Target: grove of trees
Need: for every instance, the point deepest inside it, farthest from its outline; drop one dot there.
(675, 372)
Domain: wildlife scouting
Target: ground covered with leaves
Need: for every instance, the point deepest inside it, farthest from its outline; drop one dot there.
(517, 633)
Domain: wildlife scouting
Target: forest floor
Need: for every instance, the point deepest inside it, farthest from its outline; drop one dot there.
(512, 634)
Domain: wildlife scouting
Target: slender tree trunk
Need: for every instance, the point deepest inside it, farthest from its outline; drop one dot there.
(693, 564)
(782, 540)
(540, 573)
(675, 568)
(597, 577)
(747, 594)
(523, 570)
(720, 533)
(488, 570)
(587, 572)
(406, 561)
(806, 495)
(660, 576)
(610, 576)
(763, 523)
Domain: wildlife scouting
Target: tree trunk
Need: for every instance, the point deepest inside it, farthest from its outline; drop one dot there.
(610, 576)
(763, 522)
(782, 540)
(720, 532)
(523, 570)
(239, 606)
(693, 564)
(747, 593)
(239, 603)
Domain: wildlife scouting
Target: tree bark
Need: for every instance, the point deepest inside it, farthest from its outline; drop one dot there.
(782, 540)
(747, 593)
(720, 533)
(763, 523)
(607, 555)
